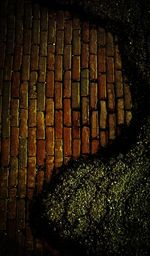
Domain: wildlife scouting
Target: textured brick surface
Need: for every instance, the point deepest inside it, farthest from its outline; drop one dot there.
(62, 94)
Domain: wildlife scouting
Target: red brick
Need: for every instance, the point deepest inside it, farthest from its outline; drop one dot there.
(94, 125)
(36, 32)
(112, 126)
(34, 57)
(103, 115)
(58, 95)
(119, 84)
(102, 87)
(67, 84)
(101, 37)
(17, 58)
(68, 31)
(41, 96)
(27, 42)
(52, 29)
(76, 148)
(85, 32)
(58, 124)
(13, 174)
(58, 68)
(76, 124)
(14, 141)
(85, 140)
(23, 123)
(22, 152)
(93, 41)
(51, 57)
(40, 180)
(5, 157)
(127, 97)
(103, 138)
(26, 67)
(4, 182)
(50, 84)
(33, 85)
(40, 152)
(58, 153)
(59, 42)
(110, 70)
(8, 67)
(93, 67)
(118, 63)
(14, 112)
(120, 111)
(67, 112)
(24, 95)
(101, 60)
(44, 19)
(49, 167)
(40, 125)
(85, 82)
(32, 113)
(85, 56)
(76, 68)
(67, 142)
(76, 49)
(15, 84)
(31, 172)
(75, 95)
(85, 111)
(111, 97)
(94, 146)
(67, 57)
(22, 181)
(109, 44)
(32, 142)
(49, 112)
(42, 69)
(93, 95)
(50, 141)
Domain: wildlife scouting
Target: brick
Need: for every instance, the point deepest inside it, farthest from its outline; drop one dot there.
(58, 68)
(103, 138)
(41, 96)
(118, 63)
(43, 44)
(102, 92)
(36, 32)
(11, 228)
(76, 148)
(60, 20)
(52, 29)
(59, 42)
(67, 142)
(49, 167)
(14, 112)
(93, 41)
(128, 117)
(11, 206)
(110, 70)
(111, 97)
(32, 113)
(112, 126)
(58, 153)
(103, 115)
(51, 57)
(40, 125)
(10, 41)
(50, 84)
(6, 109)
(23, 152)
(17, 57)
(58, 124)
(109, 44)
(68, 32)
(33, 85)
(120, 111)
(67, 112)
(13, 173)
(15, 85)
(94, 146)
(58, 95)
(19, 32)
(67, 84)
(44, 19)
(32, 141)
(76, 49)
(101, 37)
(8, 67)
(94, 124)
(76, 124)
(85, 82)
(76, 23)
(85, 110)
(4, 182)
(93, 95)
(101, 60)
(67, 57)
(27, 42)
(75, 95)
(76, 68)
(40, 152)
(21, 214)
(93, 67)
(23, 123)
(49, 112)
(2, 54)
(28, 16)
(50, 141)
(3, 214)
(119, 84)
(85, 140)
(31, 172)
(42, 69)
(14, 141)
(34, 57)
(22, 181)
(127, 97)
(40, 180)
(85, 56)
(24, 95)
(26, 67)
(85, 32)
(5, 157)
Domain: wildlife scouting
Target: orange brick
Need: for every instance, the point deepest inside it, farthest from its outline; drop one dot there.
(59, 41)
(41, 96)
(23, 123)
(93, 40)
(68, 31)
(13, 174)
(49, 112)
(22, 152)
(94, 146)
(67, 141)
(102, 93)
(75, 95)
(33, 85)
(109, 44)
(112, 126)
(103, 115)
(58, 68)
(32, 142)
(101, 37)
(120, 111)
(93, 67)
(76, 49)
(22, 181)
(119, 83)
(67, 84)
(51, 57)
(40, 180)
(76, 148)
(42, 69)
(67, 112)
(40, 125)
(118, 63)
(67, 57)
(49, 167)
(32, 113)
(58, 124)
(128, 117)
(40, 152)
(58, 95)
(85, 140)
(94, 125)
(24, 95)
(50, 84)
(103, 138)
(85, 32)
(15, 84)
(85, 82)
(85, 110)
(5, 157)
(50, 141)
(17, 57)
(26, 67)
(34, 57)
(14, 112)
(14, 141)
(110, 70)
(43, 43)
(93, 95)
(101, 60)
(85, 56)
(58, 153)
(76, 68)
(31, 172)
(111, 97)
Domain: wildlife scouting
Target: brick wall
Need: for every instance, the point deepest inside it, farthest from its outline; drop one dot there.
(62, 93)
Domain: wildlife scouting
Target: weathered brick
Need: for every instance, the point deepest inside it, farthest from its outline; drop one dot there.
(22, 181)
(23, 152)
(42, 69)
(103, 115)
(102, 92)
(24, 95)
(101, 60)
(15, 84)
(58, 124)
(43, 43)
(40, 152)
(34, 57)
(67, 112)
(95, 146)
(60, 20)
(85, 82)
(85, 110)
(67, 57)
(128, 117)
(4, 182)
(120, 111)
(36, 32)
(49, 167)
(32, 113)
(59, 42)
(103, 138)
(68, 32)
(32, 141)
(93, 67)
(76, 48)
(52, 29)
(75, 95)
(51, 57)
(26, 67)
(93, 40)
(44, 19)
(85, 140)
(8, 67)
(31, 172)
(67, 142)
(14, 112)
(118, 63)
(93, 95)
(40, 180)
(17, 57)
(94, 124)
(20, 214)
(109, 44)
(27, 42)
(58, 153)
(110, 70)
(2, 54)
(76, 124)
(111, 97)
(67, 84)
(76, 148)
(33, 85)
(6, 109)
(85, 31)
(50, 84)
(101, 37)
(76, 68)
(112, 126)
(19, 32)
(58, 68)
(76, 23)
(23, 123)
(50, 141)
(3, 214)
(14, 141)
(13, 173)
(5, 146)
(85, 56)
(127, 97)
(41, 96)
(50, 112)
(40, 125)
(28, 15)
(58, 95)
(119, 84)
